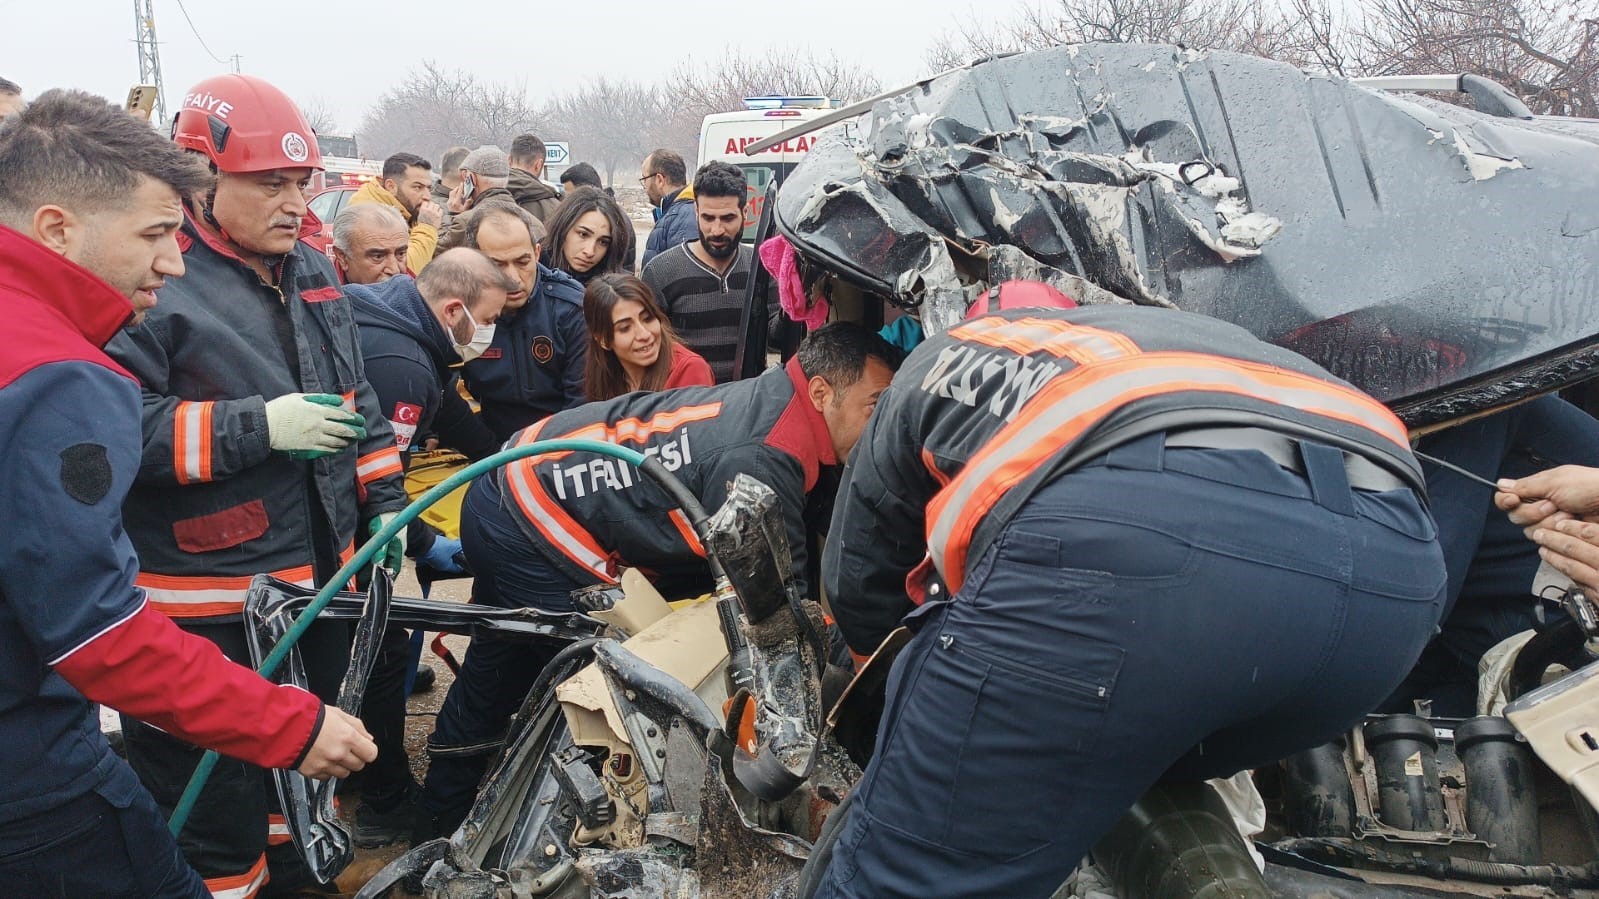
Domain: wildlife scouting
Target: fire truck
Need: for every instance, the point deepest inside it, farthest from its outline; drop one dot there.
(344, 163)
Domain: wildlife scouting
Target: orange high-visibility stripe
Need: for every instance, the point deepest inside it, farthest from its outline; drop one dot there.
(278, 830)
(933, 469)
(686, 530)
(180, 442)
(210, 582)
(558, 528)
(239, 886)
(379, 464)
(1079, 399)
(208, 596)
(1053, 336)
(191, 442)
(205, 440)
(636, 430)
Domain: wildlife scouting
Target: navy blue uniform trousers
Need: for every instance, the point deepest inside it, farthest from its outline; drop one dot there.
(111, 842)
(509, 572)
(1158, 613)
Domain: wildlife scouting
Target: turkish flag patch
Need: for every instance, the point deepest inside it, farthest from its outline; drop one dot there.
(406, 418)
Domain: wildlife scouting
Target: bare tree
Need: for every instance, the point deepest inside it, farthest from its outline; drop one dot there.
(720, 85)
(1323, 39)
(319, 116)
(435, 109)
(699, 88)
(614, 124)
(1202, 24)
(610, 124)
(1545, 51)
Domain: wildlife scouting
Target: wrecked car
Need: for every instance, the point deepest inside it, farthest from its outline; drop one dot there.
(1442, 259)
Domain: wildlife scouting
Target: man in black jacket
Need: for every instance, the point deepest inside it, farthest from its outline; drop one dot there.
(548, 525)
(412, 333)
(264, 449)
(415, 333)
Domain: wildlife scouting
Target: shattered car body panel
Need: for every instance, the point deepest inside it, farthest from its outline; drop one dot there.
(322, 840)
(1444, 260)
(620, 779)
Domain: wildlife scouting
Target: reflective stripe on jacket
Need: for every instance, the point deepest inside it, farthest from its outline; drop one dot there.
(592, 514)
(980, 417)
(213, 505)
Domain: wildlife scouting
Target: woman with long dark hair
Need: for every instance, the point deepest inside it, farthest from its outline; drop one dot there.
(589, 235)
(631, 343)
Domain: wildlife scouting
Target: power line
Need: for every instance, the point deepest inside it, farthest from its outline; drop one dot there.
(197, 36)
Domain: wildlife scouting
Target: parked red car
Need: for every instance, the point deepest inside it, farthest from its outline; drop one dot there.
(327, 204)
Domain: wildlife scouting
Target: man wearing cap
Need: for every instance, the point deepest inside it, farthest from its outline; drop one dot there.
(1134, 545)
(485, 175)
(265, 450)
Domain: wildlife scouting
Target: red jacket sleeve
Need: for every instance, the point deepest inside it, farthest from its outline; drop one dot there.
(147, 667)
(689, 369)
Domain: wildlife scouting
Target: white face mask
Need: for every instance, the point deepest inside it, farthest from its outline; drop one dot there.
(482, 336)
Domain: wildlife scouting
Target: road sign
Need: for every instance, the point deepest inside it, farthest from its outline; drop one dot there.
(556, 152)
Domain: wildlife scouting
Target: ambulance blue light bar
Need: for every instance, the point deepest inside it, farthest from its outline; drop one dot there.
(780, 102)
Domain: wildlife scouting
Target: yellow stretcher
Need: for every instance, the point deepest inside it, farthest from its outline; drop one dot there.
(427, 471)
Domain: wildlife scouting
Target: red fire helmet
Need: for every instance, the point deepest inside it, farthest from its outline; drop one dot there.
(1020, 295)
(243, 124)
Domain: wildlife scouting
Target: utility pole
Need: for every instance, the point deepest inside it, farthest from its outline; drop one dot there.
(149, 56)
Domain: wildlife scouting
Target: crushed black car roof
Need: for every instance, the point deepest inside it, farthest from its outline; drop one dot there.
(1444, 260)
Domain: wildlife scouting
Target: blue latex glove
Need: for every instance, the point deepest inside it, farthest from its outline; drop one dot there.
(441, 555)
(392, 556)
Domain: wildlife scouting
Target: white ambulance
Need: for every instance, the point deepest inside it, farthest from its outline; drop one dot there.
(724, 135)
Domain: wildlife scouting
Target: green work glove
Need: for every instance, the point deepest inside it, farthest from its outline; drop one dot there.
(312, 425)
(392, 555)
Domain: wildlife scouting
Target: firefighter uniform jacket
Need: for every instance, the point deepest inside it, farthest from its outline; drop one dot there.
(535, 365)
(982, 416)
(213, 505)
(73, 628)
(593, 514)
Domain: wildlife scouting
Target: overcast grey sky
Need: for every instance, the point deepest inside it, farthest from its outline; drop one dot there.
(348, 52)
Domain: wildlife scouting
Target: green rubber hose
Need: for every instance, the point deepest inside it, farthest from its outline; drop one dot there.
(363, 556)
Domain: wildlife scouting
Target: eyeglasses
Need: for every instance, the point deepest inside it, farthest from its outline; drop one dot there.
(648, 177)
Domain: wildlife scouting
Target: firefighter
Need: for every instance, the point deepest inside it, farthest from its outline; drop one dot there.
(1134, 544)
(535, 365)
(264, 448)
(549, 525)
(89, 206)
